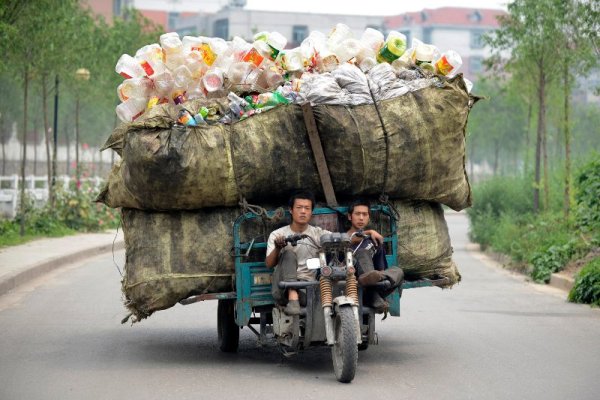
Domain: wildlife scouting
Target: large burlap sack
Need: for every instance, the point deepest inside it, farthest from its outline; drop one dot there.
(173, 255)
(424, 248)
(410, 147)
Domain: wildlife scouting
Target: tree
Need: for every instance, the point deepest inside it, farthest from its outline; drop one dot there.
(529, 33)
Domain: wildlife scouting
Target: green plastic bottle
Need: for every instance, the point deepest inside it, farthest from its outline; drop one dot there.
(393, 48)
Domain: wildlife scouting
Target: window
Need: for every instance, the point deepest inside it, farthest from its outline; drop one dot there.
(299, 33)
(427, 35)
(407, 34)
(173, 16)
(476, 65)
(477, 39)
(117, 7)
(221, 28)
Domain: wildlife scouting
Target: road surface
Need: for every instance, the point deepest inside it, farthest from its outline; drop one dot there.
(494, 336)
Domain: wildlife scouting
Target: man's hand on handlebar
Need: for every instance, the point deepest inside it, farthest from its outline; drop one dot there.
(280, 242)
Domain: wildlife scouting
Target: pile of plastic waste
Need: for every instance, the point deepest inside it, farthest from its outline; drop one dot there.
(255, 77)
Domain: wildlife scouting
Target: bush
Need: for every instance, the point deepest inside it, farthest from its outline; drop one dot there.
(587, 183)
(73, 211)
(554, 259)
(587, 285)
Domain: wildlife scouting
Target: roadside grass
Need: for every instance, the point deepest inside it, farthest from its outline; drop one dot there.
(73, 212)
(544, 243)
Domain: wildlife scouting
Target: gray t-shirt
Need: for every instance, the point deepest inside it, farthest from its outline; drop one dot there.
(304, 250)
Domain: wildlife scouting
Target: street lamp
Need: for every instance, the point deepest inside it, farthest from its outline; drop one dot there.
(82, 75)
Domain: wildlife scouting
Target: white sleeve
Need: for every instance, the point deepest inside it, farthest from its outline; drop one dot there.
(271, 243)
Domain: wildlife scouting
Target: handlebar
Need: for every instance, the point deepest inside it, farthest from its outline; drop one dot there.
(360, 233)
(293, 239)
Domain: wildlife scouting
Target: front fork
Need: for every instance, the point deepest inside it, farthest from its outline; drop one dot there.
(350, 299)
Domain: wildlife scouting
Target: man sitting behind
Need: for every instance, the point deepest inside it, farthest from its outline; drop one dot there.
(370, 258)
(290, 261)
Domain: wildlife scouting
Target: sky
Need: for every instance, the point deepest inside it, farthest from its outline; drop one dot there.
(375, 7)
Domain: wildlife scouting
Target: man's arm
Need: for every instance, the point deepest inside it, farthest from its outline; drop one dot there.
(376, 236)
(274, 246)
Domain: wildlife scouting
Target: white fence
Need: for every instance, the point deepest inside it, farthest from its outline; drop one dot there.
(36, 188)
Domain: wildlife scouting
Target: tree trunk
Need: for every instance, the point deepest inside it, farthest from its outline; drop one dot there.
(77, 168)
(496, 153)
(47, 137)
(36, 135)
(24, 160)
(68, 140)
(567, 199)
(528, 128)
(3, 139)
(541, 129)
(54, 141)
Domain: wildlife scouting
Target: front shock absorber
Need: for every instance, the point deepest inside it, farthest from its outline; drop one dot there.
(326, 291)
(352, 286)
(327, 301)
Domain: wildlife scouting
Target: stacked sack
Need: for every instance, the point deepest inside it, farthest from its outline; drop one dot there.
(394, 127)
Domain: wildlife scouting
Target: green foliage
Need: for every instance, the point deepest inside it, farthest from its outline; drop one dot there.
(588, 195)
(587, 285)
(554, 259)
(73, 212)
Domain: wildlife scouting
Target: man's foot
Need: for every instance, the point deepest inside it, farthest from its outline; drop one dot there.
(378, 303)
(292, 308)
(370, 278)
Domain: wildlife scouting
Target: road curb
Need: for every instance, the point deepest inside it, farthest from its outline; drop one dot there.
(17, 279)
(561, 282)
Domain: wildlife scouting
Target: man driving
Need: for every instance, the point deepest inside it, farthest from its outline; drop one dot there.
(290, 261)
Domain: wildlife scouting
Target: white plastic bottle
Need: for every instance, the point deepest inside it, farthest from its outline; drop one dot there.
(347, 50)
(164, 83)
(448, 64)
(131, 109)
(276, 42)
(128, 67)
(373, 39)
(138, 88)
(337, 35)
(182, 77)
(150, 58)
(213, 80)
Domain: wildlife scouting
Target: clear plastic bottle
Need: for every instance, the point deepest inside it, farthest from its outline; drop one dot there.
(213, 80)
(138, 88)
(337, 35)
(276, 42)
(257, 53)
(151, 58)
(372, 39)
(448, 64)
(128, 67)
(239, 71)
(164, 83)
(424, 53)
(393, 48)
(292, 59)
(182, 76)
(131, 109)
(348, 49)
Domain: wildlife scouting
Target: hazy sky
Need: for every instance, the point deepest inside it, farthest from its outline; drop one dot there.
(368, 7)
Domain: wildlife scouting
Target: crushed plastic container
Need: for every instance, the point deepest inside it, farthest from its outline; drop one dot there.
(131, 109)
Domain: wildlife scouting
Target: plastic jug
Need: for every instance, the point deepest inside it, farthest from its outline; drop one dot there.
(393, 48)
(448, 64)
(292, 60)
(276, 42)
(151, 59)
(424, 53)
(347, 50)
(164, 83)
(257, 53)
(372, 39)
(182, 76)
(128, 67)
(131, 109)
(339, 33)
(139, 88)
(213, 80)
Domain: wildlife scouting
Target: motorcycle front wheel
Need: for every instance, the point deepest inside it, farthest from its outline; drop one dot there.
(345, 351)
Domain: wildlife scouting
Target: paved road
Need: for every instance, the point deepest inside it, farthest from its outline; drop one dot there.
(492, 337)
